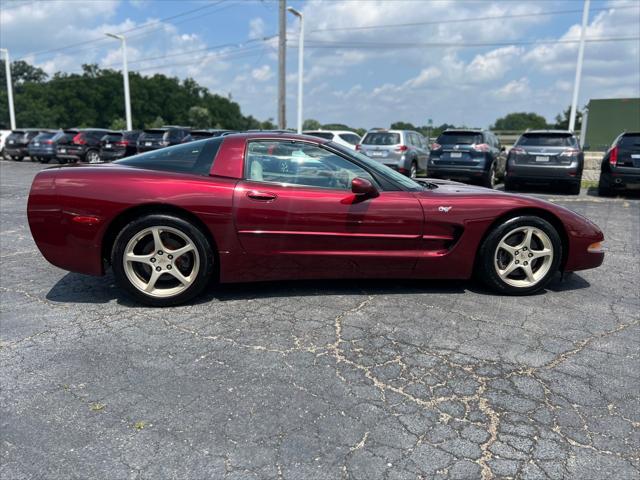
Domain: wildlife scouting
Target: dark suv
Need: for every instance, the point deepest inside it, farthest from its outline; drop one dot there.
(80, 145)
(17, 144)
(154, 138)
(546, 157)
(116, 145)
(208, 133)
(469, 156)
(621, 164)
(43, 147)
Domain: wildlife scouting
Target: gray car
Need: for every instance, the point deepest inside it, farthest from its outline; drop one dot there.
(403, 150)
(548, 157)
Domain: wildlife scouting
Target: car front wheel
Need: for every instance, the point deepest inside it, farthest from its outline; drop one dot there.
(93, 156)
(520, 256)
(162, 260)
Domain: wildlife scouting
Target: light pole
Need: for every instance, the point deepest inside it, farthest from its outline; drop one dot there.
(576, 83)
(125, 74)
(7, 69)
(300, 65)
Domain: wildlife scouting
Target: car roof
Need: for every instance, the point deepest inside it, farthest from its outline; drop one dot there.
(267, 135)
(336, 132)
(465, 130)
(556, 131)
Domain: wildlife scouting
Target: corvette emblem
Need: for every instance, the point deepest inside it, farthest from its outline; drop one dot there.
(444, 209)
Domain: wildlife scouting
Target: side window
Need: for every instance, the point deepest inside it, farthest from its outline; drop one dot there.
(299, 163)
(350, 138)
(193, 157)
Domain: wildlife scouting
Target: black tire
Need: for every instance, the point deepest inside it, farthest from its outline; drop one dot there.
(413, 169)
(92, 156)
(62, 161)
(195, 235)
(510, 184)
(604, 186)
(490, 178)
(486, 260)
(16, 158)
(44, 159)
(574, 188)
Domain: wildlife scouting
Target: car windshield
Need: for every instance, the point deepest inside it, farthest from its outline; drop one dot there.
(379, 168)
(630, 141)
(327, 135)
(381, 138)
(459, 138)
(547, 140)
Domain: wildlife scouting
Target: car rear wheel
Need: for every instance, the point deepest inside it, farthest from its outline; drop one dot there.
(520, 256)
(16, 158)
(490, 180)
(574, 188)
(92, 156)
(162, 260)
(413, 172)
(44, 159)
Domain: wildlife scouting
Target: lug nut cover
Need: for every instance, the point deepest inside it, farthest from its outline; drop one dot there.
(158, 269)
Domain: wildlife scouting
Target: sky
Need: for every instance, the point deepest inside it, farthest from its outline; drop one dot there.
(367, 63)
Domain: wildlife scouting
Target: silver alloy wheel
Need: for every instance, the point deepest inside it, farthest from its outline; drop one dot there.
(493, 175)
(523, 257)
(93, 157)
(414, 171)
(161, 267)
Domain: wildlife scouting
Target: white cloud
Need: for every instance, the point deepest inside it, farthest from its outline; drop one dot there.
(492, 65)
(256, 28)
(262, 74)
(513, 89)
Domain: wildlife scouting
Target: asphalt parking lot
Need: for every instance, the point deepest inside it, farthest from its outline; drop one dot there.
(320, 380)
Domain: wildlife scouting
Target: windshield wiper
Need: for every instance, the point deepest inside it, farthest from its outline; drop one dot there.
(427, 184)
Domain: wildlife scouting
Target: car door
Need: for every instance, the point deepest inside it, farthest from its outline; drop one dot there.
(296, 216)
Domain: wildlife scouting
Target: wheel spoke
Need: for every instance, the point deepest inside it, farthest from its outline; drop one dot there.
(181, 251)
(507, 271)
(132, 257)
(529, 273)
(506, 247)
(180, 277)
(545, 252)
(151, 285)
(157, 241)
(528, 236)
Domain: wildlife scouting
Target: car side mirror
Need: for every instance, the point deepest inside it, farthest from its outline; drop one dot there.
(363, 187)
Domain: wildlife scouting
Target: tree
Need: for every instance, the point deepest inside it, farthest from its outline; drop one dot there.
(402, 126)
(157, 123)
(562, 119)
(520, 121)
(311, 124)
(118, 124)
(199, 117)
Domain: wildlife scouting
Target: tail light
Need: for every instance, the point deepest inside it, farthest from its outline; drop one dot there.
(79, 140)
(358, 147)
(123, 143)
(480, 147)
(402, 148)
(435, 146)
(518, 151)
(613, 156)
(570, 152)
(48, 142)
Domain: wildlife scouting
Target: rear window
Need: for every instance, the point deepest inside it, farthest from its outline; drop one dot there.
(381, 138)
(351, 138)
(194, 157)
(630, 141)
(154, 133)
(112, 137)
(43, 136)
(547, 140)
(325, 135)
(459, 138)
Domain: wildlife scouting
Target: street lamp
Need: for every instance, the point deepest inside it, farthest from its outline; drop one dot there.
(125, 74)
(300, 65)
(7, 70)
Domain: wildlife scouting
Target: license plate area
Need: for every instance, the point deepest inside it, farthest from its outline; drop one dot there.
(147, 144)
(542, 158)
(455, 155)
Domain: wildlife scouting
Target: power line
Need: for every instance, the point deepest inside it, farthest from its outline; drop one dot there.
(154, 25)
(386, 45)
(464, 20)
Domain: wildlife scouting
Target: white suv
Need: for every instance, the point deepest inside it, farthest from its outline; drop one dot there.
(342, 137)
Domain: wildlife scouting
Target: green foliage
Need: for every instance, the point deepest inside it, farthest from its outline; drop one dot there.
(199, 117)
(118, 124)
(95, 98)
(157, 123)
(520, 121)
(562, 119)
(311, 124)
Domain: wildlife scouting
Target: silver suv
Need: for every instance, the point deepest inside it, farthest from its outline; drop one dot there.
(403, 150)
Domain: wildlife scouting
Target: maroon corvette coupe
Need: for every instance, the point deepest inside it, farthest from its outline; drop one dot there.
(267, 206)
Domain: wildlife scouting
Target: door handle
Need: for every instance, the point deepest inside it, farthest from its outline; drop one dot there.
(261, 196)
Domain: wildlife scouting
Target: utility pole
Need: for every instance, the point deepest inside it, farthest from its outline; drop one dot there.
(576, 82)
(7, 70)
(282, 57)
(300, 65)
(125, 74)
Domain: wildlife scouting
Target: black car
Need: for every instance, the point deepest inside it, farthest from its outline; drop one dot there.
(469, 156)
(620, 167)
(208, 133)
(16, 146)
(154, 138)
(116, 145)
(80, 145)
(546, 157)
(43, 147)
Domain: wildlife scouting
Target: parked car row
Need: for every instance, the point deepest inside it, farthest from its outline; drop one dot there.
(94, 145)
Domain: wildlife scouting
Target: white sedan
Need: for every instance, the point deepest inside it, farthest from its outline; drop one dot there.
(342, 137)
